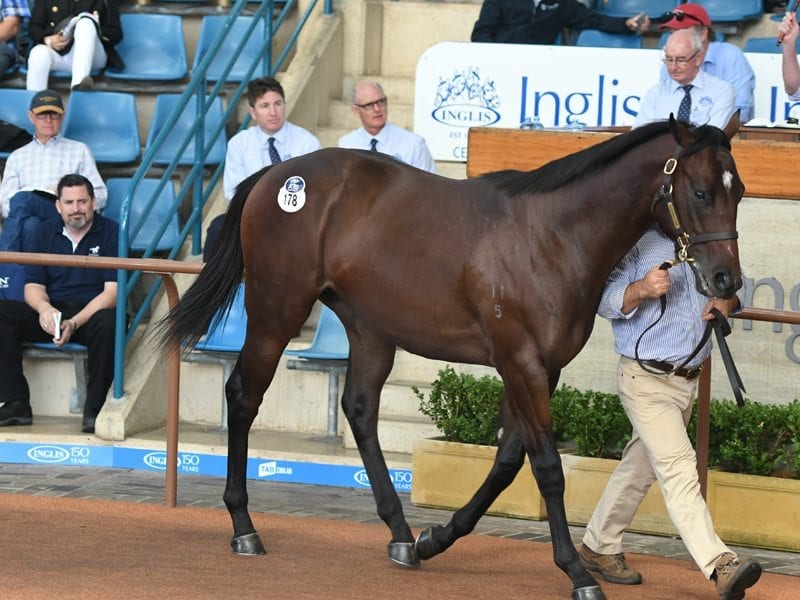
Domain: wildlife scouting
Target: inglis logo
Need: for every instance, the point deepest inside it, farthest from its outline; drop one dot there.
(156, 460)
(464, 100)
(48, 454)
(361, 478)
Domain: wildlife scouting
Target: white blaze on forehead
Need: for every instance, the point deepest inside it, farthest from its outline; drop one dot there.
(727, 180)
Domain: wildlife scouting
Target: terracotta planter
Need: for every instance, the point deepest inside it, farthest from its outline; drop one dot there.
(586, 478)
(747, 509)
(755, 511)
(447, 475)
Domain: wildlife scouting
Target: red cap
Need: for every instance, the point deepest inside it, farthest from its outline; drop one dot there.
(687, 15)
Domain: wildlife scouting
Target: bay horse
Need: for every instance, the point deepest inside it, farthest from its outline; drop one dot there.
(506, 270)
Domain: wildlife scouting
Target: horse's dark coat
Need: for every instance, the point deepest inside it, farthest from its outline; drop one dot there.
(503, 270)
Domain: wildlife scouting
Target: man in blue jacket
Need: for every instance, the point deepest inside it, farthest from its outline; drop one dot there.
(540, 21)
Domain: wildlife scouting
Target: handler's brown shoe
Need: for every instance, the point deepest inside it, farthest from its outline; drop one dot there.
(611, 566)
(734, 576)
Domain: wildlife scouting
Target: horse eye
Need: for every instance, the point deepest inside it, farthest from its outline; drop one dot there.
(700, 195)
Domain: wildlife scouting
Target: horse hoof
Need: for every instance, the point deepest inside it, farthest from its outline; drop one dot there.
(404, 554)
(592, 592)
(425, 546)
(248, 545)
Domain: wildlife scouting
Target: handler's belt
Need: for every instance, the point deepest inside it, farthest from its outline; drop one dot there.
(687, 373)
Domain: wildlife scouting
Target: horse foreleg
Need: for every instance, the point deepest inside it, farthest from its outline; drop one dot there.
(370, 364)
(243, 401)
(508, 461)
(549, 475)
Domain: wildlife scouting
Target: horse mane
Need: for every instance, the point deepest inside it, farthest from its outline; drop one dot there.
(561, 171)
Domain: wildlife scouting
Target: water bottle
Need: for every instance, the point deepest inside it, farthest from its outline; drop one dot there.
(574, 124)
(531, 123)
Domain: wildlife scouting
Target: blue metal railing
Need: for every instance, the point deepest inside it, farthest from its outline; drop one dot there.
(194, 181)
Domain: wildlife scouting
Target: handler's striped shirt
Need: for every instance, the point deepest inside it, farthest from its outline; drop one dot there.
(680, 329)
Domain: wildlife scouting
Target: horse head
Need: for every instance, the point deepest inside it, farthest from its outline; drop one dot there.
(697, 205)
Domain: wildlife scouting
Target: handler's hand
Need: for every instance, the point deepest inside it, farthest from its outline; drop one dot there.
(726, 307)
(655, 284)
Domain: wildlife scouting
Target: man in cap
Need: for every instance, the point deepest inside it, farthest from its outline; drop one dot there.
(27, 191)
(720, 59)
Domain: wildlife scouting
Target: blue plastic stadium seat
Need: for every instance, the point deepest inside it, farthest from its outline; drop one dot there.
(227, 331)
(14, 105)
(762, 44)
(165, 104)
(152, 48)
(628, 8)
(601, 39)
(160, 213)
(733, 11)
(210, 28)
(106, 122)
(330, 340)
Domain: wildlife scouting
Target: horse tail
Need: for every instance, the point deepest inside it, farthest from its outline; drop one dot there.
(216, 286)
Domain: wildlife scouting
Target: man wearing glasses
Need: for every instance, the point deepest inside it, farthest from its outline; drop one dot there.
(27, 192)
(720, 59)
(370, 105)
(691, 94)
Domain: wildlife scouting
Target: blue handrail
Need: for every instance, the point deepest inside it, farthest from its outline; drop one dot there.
(193, 180)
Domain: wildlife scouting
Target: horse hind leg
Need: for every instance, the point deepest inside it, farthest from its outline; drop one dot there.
(508, 461)
(370, 364)
(244, 392)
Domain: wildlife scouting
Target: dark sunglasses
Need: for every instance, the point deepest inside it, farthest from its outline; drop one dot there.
(679, 16)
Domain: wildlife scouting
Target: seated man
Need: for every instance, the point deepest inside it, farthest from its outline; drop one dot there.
(370, 105)
(273, 139)
(27, 191)
(63, 304)
(691, 94)
(13, 13)
(723, 60)
(541, 21)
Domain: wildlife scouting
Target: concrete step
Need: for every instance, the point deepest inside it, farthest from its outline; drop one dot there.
(397, 435)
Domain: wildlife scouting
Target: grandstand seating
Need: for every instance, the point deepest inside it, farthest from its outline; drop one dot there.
(597, 38)
(160, 213)
(165, 103)
(733, 11)
(210, 28)
(628, 8)
(152, 48)
(107, 122)
(762, 44)
(222, 344)
(14, 105)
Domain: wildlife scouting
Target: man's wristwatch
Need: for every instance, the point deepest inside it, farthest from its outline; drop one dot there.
(74, 324)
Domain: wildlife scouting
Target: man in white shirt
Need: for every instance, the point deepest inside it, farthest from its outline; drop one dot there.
(788, 31)
(691, 94)
(272, 140)
(370, 105)
(27, 192)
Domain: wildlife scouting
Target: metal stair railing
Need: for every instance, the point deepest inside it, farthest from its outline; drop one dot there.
(194, 181)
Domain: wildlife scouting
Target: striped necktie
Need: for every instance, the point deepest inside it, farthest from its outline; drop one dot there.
(685, 109)
(273, 152)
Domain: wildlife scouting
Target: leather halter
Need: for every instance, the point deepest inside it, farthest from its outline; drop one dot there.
(684, 240)
(718, 324)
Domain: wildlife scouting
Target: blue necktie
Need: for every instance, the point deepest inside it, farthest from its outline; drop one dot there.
(685, 109)
(273, 152)
(373, 145)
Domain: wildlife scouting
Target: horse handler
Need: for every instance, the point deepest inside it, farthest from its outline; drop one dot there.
(658, 398)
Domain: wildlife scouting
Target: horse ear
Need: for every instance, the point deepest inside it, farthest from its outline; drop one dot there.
(680, 131)
(732, 128)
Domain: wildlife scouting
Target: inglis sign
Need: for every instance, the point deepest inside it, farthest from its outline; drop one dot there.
(462, 85)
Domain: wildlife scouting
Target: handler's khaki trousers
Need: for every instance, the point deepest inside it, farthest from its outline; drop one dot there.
(659, 407)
